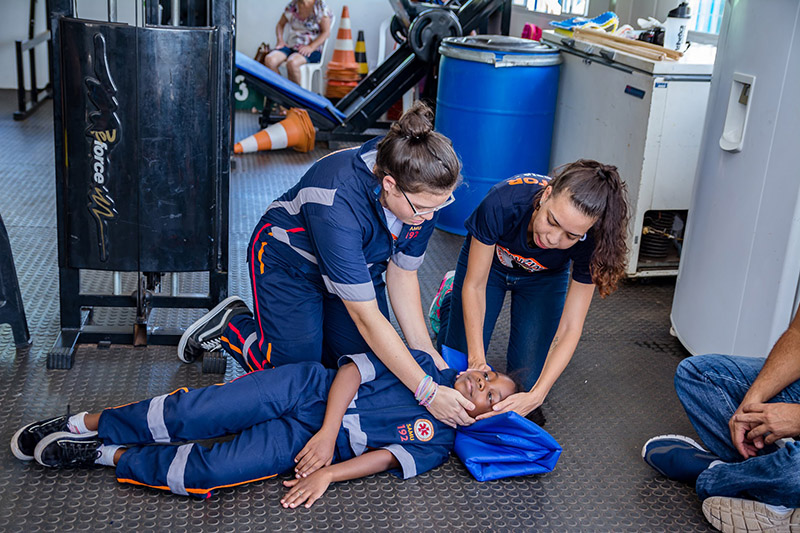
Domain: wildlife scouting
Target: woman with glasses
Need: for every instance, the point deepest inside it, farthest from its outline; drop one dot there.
(319, 256)
(524, 238)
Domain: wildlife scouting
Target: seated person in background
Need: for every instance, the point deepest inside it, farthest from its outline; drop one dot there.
(329, 425)
(741, 407)
(309, 25)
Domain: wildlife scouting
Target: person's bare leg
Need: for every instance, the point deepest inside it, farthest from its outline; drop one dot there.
(91, 421)
(293, 65)
(274, 60)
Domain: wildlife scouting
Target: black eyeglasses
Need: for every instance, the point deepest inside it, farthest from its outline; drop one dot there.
(447, 202)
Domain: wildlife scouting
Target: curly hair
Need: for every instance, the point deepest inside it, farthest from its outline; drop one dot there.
(597, 191)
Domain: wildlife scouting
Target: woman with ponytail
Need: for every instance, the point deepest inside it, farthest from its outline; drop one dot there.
(522, 239)
(319, 256)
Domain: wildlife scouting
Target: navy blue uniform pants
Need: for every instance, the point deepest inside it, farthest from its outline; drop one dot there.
(272, 414)
(295, 317)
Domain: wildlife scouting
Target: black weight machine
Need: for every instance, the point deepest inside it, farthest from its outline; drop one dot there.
(418, 28)
(142, 154)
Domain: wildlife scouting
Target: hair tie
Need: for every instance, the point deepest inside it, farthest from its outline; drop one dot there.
(606, 175)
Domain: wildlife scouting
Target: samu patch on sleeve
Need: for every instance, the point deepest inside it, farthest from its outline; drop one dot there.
(421, 430)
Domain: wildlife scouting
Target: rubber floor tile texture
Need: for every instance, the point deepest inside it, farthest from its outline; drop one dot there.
(616, 394)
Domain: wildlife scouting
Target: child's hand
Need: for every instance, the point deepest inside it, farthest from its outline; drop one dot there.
(308, 489)
(316, 454)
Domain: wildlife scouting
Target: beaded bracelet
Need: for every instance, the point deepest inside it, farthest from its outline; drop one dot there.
(429, 400)
(426, 391)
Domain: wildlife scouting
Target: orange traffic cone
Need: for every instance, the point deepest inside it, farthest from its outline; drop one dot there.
(344, 56)
(296, 130)
(342, 70)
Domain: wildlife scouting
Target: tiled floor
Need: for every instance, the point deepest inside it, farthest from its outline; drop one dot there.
(616, 393)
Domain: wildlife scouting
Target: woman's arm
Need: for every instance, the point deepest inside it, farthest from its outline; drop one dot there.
(279, 31)
(310, 489)
(324, 33)
(318, 451)
(403, 288)
(448, 405)
(570, 327)
(473, 297)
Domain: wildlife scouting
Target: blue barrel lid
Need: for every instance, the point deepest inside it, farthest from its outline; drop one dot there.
(500, 50)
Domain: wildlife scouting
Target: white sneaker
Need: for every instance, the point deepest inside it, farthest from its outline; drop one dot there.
(735, 515)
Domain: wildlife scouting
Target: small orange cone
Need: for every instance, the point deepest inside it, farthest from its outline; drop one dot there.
(361, 55)
(295, 131)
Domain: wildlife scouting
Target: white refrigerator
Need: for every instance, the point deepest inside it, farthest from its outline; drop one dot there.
(645, 117)
(737, 285)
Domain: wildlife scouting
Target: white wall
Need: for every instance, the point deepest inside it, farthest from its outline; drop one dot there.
(256, 20)
(14, 15)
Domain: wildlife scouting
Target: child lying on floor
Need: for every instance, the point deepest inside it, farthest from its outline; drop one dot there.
(330, 426)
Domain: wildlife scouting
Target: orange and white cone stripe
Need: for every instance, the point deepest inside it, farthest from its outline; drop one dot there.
(296, 131)
(344, 55)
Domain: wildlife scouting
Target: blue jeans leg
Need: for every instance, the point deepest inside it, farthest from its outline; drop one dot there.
(772, 478)
(537, 303)
(711, 387)
(452, 332)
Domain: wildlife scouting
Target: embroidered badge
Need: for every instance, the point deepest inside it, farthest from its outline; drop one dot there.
(423, 429)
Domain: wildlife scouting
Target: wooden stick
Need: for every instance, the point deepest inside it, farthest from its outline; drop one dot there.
(583, 32)
(605, 35)
(642, 52)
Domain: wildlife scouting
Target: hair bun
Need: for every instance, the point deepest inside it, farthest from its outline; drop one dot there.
(416, 124)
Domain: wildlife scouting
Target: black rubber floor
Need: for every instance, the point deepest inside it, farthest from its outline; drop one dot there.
(616, 393)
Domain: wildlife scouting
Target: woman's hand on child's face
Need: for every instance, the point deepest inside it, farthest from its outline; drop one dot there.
(449, 406)
(316, 454)
(521, 403)
(308, 489)
(479, 366)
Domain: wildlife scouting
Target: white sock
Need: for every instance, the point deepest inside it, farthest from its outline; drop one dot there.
(780, 509)
(75, 423)
(107, 455)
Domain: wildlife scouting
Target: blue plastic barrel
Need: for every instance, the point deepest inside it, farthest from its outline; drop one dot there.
(496, 102)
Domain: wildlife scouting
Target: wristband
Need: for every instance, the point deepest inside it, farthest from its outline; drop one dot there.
(426, 391)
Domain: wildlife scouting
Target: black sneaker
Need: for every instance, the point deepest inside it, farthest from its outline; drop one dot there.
(24, 441)
(68, 450)
(204, 335)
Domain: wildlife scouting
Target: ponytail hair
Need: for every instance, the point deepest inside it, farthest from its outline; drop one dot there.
(417, 157)
(598, 191)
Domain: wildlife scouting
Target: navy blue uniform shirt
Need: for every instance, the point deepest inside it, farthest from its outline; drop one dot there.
(332, 223)
(502, 219)
(384, 414)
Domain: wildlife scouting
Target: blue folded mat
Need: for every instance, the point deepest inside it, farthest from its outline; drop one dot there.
(504, 445)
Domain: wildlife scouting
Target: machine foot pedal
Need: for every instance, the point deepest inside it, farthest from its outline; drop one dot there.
(214, 362)
(61, 358)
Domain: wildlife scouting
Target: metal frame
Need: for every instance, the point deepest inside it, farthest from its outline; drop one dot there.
(76, 307)
(29, 101)
(375, 94)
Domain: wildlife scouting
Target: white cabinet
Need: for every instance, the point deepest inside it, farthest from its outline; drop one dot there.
(646, 118)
